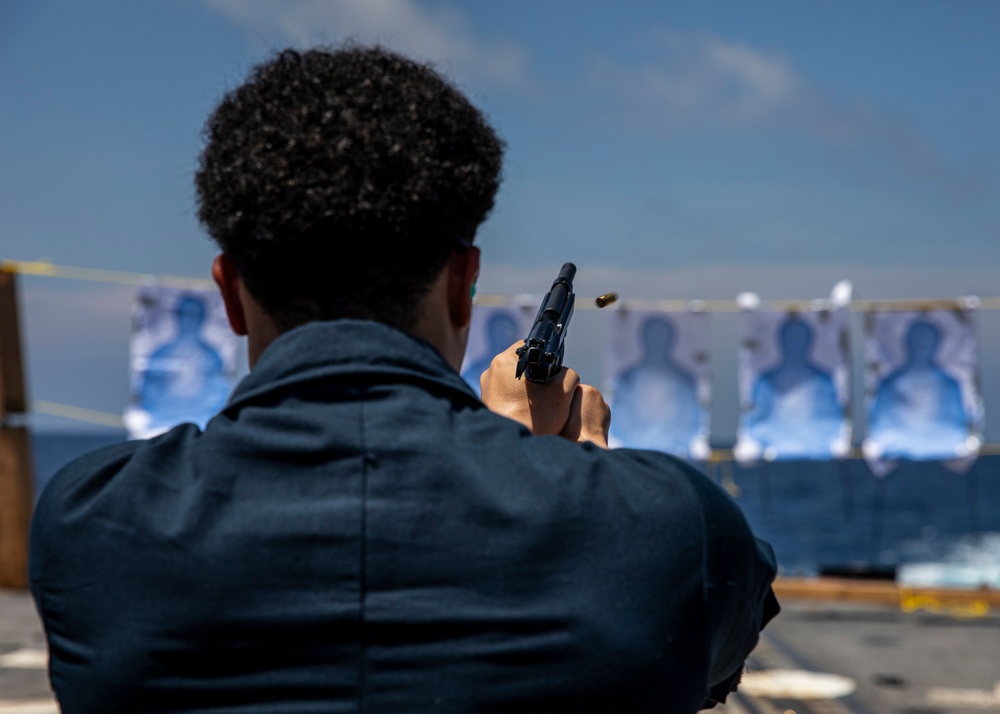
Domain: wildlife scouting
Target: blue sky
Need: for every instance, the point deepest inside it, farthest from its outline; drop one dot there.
(670, 149)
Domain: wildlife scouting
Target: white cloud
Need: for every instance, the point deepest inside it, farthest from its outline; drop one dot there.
(439, 35)
(693, 82)
(697, 80)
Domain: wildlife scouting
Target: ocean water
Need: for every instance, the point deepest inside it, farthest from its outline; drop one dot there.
(921, 524)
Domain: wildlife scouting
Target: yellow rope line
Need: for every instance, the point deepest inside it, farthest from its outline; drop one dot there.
(91, 416)
(909, 304)
(97, 275)
(48, 269)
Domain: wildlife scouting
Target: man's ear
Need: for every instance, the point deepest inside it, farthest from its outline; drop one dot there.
(227, 277)
(463, 271)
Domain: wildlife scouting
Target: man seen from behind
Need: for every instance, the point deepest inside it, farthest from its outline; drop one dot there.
(356, 531)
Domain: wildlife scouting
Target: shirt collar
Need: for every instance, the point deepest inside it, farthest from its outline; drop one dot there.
(356, 351)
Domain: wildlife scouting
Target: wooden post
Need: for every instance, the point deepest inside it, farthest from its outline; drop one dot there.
(12, 391)
(16, 479)
(16, 500)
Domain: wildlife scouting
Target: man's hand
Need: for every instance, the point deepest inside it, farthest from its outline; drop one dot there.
(561, 406)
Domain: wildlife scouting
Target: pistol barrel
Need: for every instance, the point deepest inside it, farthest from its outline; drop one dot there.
(541, 356)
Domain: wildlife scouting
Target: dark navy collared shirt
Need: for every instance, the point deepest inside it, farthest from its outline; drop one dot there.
(356, 532)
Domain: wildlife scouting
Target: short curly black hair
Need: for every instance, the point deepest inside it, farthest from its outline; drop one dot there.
(340, 180)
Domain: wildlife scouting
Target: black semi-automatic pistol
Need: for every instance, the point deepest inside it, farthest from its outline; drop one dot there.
(541, 356)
